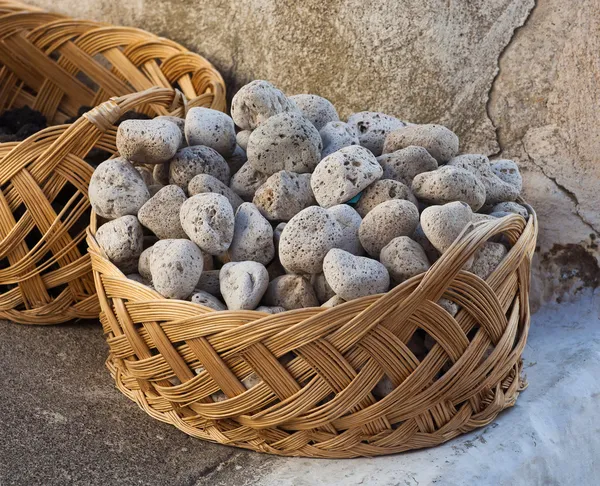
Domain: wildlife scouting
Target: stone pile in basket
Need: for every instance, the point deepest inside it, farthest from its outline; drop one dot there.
(298, 209)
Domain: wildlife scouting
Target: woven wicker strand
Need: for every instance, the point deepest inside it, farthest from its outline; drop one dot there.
(170, 356)
(56, 65)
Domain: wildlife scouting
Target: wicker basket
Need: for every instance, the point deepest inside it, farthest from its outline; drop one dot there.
(170, 356)
(56, 65)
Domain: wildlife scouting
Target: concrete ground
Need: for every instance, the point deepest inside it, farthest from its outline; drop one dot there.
(63, 422)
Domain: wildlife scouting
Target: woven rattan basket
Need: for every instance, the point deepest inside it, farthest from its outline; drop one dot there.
(56, 65)
(170, 356)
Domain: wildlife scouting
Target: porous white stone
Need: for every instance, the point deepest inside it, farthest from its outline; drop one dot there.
(160, 214)
(283, 195)
(252, 236)
(349, 221)
(290, 292)
(439, 141)
(243, 284)
(404, 164)
(286, 141)
(117, 189)
(352, 276)
(122, 240)
(205, 183)
(191, 161)
(404, 258)
(343, 174)
(381, 191)
(442, 224)
(318, 110)
(212, 128)
(176, 266)
(148, 141)
(336, 135)
(208, 220)
(385, 222)
(372, 128)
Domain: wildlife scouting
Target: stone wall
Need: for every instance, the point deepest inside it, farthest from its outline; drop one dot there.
(513, 78)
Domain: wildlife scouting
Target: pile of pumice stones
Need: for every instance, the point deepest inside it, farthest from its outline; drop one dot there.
(295, 208)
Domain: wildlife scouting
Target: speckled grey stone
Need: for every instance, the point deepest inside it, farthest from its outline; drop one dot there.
(318, 110)
(352, 276)
(334, 301)
(256, 102)
(477, 217)
(144, 263)
(160, 173)
(209, 282)
(439, 141)
(290, 292)
(243, 284)
(323, 290)
(246, 181)
(380, 191)
(191, 161)
(496, 190)
(404, 258)
(237, 159)
(448, 184)
(176, 266)
(385, 222)
(343, 174)
(212, 128)
(122, 240)
(508, 171)
(160, 214)
(146, 175)
(270, 309)
(242, 138)
(349, 221)
(283, 195)
(442, 224)
(372, 128)
(205, 183)
(117, 189)
(207, 300)
(286, 141)
(252, 237)
(180, 122)
(307, 238)
(506, 208)
(208, 220)
(487, 258)
(337, 135)
(404, 164)
(148, 141)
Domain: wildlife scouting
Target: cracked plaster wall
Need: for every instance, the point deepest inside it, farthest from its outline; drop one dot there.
(514, 79)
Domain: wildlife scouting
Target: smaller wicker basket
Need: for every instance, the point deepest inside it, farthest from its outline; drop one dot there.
(170, 356)
(56, 65)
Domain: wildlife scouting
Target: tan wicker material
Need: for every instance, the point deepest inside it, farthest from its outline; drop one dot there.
(170, 356)
(56, 65)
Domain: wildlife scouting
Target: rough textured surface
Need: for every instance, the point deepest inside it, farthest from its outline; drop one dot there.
(215, 129)
(208, 220)
(286, 141)
(204, 183)
(246, 181)
(290, 292)
(148, 141)
(404, 258)
(78, 429)
(440, 142)
(315, 108)
(385, 222)
(307, 238)
(284, 195)
(442, 224)
(122, 240)
(160, 214)
(343, 174)
(243, 284)
(191, 161)
(252, 236)
(529, 94)
(372, 128)
(176, 266)
(351, 277)
(349, 221)
(381, 191)
(117, 189)
(404, 164)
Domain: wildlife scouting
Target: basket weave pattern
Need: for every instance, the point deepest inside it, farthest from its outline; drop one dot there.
(57, 65)
(170, 356)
